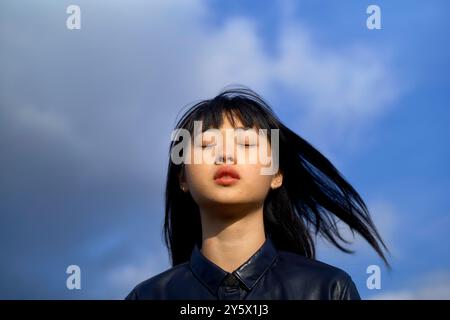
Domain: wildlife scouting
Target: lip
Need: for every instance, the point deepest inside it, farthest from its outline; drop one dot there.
(226, 176)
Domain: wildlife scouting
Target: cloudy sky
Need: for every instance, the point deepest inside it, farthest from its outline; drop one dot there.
(86, 117)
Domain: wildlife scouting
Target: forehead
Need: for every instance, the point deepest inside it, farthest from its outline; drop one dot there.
(226, 123)
(233, 121)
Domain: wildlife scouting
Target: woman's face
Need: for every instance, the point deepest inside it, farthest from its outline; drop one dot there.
(236, 184)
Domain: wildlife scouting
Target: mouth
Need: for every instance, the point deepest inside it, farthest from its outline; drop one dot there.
(226, 176)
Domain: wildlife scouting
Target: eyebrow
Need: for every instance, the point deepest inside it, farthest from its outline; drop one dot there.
(244, 128)
(241, 127)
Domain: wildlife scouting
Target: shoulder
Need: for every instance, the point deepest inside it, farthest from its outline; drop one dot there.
(331, 281)
(155, 287)
(293, 262)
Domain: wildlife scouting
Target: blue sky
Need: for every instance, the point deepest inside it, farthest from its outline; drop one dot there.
(86, 116)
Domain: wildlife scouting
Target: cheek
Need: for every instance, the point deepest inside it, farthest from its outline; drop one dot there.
(254, 180)
(197, 175)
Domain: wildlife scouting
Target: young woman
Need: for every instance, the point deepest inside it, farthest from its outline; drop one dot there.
(234, 232)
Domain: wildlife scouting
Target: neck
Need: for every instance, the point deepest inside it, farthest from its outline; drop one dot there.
(230, 240)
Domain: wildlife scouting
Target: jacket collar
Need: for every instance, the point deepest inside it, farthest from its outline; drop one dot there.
(248, 273)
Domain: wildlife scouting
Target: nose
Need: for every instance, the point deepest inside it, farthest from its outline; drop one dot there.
(225, 154)
(225, 159)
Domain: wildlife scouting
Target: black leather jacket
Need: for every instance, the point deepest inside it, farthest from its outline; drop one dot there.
(267, 274)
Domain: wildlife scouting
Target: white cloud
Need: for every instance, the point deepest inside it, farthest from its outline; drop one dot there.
(175, 56)
(432, 286)
(234, 54)
(384, 216)
(122, 279)
(338, 93)
(343, 92)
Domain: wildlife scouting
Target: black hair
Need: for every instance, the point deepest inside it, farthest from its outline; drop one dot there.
(312, 199)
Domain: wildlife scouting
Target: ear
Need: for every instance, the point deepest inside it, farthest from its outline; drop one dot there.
(277, 180)
(182, 180)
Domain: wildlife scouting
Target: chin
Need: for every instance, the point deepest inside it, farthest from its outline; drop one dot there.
(227, 198)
